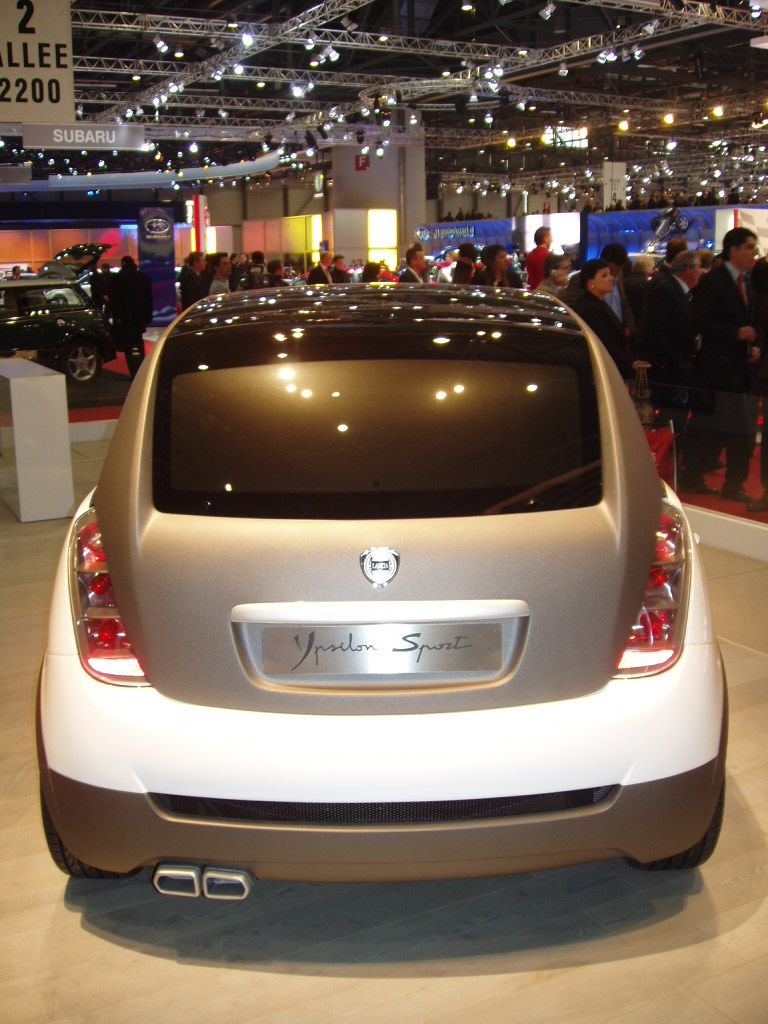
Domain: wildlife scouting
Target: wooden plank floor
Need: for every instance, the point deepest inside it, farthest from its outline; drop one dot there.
(600, 944)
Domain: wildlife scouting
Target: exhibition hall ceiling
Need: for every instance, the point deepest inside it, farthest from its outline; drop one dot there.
(527, 92)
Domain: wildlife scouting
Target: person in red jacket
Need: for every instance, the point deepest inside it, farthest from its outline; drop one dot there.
(534, 261)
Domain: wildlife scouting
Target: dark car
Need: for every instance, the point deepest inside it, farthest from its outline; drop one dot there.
(54, 319)
(75, 263)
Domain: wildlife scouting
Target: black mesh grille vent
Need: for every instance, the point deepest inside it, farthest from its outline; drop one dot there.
(420, 812)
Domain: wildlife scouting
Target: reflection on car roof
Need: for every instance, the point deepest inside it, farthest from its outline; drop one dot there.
(380, 301)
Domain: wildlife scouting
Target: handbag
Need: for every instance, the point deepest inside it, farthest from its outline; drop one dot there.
(640, 392)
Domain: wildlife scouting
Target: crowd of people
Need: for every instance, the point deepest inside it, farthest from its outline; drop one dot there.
(694, 326)
(654, 200)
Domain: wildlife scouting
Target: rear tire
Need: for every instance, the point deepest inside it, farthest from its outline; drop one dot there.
(82, 363)
(62, 858)
(694, 855)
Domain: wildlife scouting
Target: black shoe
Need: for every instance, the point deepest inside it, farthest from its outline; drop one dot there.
(698, 487)
(761, 505)
(736, 494)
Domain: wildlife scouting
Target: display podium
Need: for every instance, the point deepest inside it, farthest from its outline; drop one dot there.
(35, 458)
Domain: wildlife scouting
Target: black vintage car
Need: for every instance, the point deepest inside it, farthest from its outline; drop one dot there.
(54, 319)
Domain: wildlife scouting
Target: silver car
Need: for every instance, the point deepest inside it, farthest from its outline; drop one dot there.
(378, 583)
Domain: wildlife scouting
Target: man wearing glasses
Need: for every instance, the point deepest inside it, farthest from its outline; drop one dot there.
(724, 309)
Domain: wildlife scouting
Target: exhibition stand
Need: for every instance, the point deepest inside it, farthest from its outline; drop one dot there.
(34, 436)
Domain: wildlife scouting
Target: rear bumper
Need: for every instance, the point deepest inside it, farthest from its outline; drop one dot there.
(121, 831)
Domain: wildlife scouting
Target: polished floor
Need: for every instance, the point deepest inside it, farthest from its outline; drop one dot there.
(600, 944)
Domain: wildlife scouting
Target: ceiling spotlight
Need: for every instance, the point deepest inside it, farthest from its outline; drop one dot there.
(412, 118)
(511, 142)
(672, 144)
(222, 113)
(193, 147)
(348, 24)
(669, 118)
(638, 52)
(379, 149)
(473, 97)
(467, 6)
(333, 55)
(238, 69)
(246, 39)
(623, 126)
(298, 90)
(563, 70)
(310, 43)
(178, 53)
(547, 11)
(136, 78)
(650, 27)
(718, 110)
(365, 150)
(488, 118)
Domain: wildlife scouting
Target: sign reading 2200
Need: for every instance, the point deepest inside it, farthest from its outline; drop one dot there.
(36, 76)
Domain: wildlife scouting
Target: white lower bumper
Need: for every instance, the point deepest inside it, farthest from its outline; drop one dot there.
(136, 740)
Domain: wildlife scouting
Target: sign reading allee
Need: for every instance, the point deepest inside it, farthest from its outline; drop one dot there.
(83, 135)
(34, 55)
(36, 75)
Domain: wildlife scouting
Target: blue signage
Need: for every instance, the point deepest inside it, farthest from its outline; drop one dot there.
(156, 259)
(436, 238)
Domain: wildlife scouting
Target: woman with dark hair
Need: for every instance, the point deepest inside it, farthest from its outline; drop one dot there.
(496, 272)
(371, 272)
(596, 283)
(463, 271)
(465, 266)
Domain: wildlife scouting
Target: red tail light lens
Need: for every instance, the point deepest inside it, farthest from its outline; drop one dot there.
(104, 648)
(656, 637)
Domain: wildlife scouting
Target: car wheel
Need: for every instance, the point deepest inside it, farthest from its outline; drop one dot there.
(694, 855)
(63, 859)
(82, 363)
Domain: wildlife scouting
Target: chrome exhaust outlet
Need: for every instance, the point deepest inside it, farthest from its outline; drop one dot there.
(177, 880)
(226, 884)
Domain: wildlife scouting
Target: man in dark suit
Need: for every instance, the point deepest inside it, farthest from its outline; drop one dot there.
(131, 302)
(190, 285)
(668, 337)
(338, 273)
(321, 272)
(724, 314)
(415, 264)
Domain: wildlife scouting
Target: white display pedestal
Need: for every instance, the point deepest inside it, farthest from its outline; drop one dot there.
(34, 441)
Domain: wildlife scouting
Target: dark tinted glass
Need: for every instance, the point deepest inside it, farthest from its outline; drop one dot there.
(380, 418)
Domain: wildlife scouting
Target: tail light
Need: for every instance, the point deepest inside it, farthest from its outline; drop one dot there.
(104, 648)
(656, 637)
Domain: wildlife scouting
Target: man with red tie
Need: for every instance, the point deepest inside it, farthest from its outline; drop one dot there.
(724, 311)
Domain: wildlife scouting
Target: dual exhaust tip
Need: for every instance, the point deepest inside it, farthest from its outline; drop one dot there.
(212, 883)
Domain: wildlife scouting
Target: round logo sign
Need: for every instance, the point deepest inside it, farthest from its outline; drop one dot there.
(422, 234)
(380, 565)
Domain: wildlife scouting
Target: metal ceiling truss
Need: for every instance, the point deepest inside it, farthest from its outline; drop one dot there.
(260, 38)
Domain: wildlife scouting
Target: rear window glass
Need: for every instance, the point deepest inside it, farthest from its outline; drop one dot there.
(340, 419)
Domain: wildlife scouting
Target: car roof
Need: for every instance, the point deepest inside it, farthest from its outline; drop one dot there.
(380, 301)
(37, 282)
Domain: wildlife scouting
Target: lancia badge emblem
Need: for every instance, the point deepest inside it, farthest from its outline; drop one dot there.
(380, 565)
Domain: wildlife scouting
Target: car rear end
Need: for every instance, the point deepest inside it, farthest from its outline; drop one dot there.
(379, 583)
